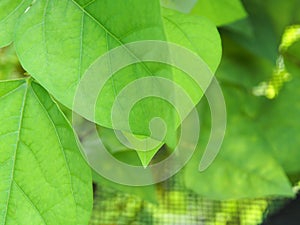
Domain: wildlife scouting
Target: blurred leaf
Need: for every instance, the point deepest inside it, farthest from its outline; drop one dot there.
(239, 67)
(292, 59)
(183, 6)
(244, 168)
(279, 123)
(110, 141)
(147, 193)
(123, 154)
(261, 32)
(221, 12)
(280, 116)
(256, 34)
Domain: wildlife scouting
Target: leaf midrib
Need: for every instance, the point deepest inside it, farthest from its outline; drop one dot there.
(16, 148)
(18, 140)
(60, 145)
(110, 34)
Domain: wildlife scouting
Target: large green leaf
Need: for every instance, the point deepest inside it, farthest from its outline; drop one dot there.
(72, 34)
(245, 167)
(44, 178)
(10, 12)
(67, 45)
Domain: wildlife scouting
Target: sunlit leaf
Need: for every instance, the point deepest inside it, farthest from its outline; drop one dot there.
(44, 178)
(10, 11)
(69, 44)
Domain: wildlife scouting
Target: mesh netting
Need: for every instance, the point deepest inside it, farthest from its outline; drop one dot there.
(177, 206)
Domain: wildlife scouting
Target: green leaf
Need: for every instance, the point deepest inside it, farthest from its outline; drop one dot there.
(245, 167)
(257, 35)
(221, 12)
(195, 33)
(66, 45)
(183, 6)
(146, 156)
(69, 44)
(262, 31)
(10, 11)
(280, 13)
(110, 141)
(198, 35)
(279, 116)
(115, 147)
(239, 67)
(71, 34)
(44, 178)
(279, 124)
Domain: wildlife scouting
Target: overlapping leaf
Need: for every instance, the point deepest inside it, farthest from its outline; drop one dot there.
(220, 11)
(67, 45)
(247, 165)
(10, 11)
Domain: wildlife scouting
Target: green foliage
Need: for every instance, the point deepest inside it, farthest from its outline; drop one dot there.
(221, 12)
(292, 58)
(244, 156)
(10, 11)
(90, 22)
(42, 170)
(41, 166)
(262, 30)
